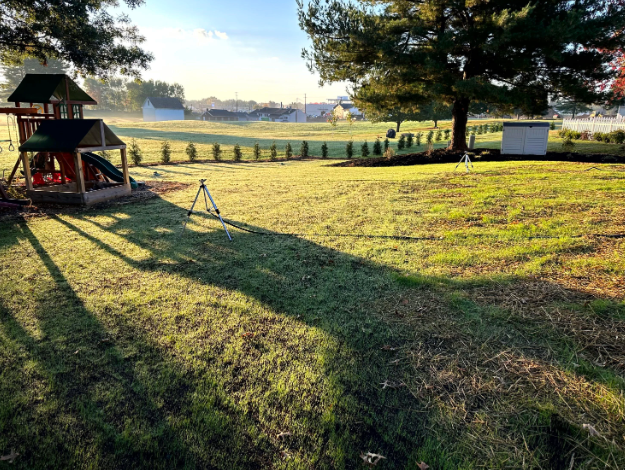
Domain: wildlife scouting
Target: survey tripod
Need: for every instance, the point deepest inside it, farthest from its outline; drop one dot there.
(207, 196)
(466, 160)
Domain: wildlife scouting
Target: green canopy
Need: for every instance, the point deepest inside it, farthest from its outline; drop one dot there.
(45, 88)
(71, 135)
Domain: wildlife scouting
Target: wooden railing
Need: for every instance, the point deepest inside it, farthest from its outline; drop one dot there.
(592, 125)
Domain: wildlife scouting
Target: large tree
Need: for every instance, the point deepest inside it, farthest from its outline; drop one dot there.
(504, 52)
(570, 106)
(83, 33)
(14, 74)
(139, 91)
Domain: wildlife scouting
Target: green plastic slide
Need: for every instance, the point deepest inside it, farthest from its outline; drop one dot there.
(107, 168)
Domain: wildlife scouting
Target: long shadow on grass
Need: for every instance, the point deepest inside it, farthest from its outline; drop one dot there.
(314, 343)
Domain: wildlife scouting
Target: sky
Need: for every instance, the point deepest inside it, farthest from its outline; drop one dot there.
(218, 48)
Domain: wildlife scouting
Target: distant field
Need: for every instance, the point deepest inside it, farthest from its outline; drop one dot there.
(150, 137)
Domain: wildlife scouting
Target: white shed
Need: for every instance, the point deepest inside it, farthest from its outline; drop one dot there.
(525, 138)
(162, 109)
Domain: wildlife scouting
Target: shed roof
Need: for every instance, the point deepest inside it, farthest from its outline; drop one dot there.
(45, 88)
(220, 113)
(165, 103)
(70, 135)
(526, 124)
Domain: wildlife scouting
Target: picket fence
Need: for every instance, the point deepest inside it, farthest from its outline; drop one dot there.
(594, 124)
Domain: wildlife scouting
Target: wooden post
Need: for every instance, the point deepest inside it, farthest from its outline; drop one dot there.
(80, 176)
(27, 175)
(125, 167)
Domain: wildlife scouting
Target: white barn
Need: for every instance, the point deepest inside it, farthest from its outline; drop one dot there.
(162, 109)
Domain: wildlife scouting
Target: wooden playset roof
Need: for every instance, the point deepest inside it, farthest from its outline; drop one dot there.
(72, 135)
(47, 88)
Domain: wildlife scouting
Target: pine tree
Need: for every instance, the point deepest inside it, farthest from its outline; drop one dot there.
(349, 149)
(507, 53)
(552, 125)
(257, 152)
(439, 136)
(288, 151)
(134, 152)
(273, 151)
(409, 140)
(237, 154)
(387, 144)
(447, 131)
(324, 150)
(401, 143)
(165, 152)
(303, 150)
(364, 149)
(377, 147)
(191, 152)
(217, 151)
(430, 137)
(418, 138)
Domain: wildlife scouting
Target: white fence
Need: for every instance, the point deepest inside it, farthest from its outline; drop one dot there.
(594, 124)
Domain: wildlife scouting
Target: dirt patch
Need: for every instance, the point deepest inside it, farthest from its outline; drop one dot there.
(483, 155)
(149, 190)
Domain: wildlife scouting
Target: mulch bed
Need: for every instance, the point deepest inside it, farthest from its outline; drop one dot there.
(483, 155)
(150, 190)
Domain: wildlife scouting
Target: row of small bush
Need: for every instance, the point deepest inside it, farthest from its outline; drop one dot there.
(614, 137)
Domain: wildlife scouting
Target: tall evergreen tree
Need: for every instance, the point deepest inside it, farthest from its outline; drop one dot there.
(504, 52)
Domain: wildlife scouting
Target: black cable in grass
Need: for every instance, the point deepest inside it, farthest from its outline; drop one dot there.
(402, 237)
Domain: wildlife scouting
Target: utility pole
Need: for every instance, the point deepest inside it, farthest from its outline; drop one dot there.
(305, 103)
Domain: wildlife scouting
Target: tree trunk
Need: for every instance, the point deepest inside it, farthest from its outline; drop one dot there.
(459, 113)
(398, 124)
(435, 123)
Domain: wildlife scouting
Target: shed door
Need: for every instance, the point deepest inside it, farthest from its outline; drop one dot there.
(513, 139)
(536, 140)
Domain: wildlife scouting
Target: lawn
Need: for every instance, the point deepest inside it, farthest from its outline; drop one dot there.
(491, 339)
(150, 136)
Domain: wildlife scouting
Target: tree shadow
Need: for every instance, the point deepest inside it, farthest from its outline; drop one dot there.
(325, 340)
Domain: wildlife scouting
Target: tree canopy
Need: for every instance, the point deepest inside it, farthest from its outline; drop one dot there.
(83, 33)
(502, 52)
(13, 75)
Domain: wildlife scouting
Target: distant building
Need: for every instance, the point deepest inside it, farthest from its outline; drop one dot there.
(319, 109)
(278, 115)
(162, 109)
(219, 115)
(621, 112)
(343, 108)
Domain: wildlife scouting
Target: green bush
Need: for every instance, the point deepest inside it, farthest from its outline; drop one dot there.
(387, 144)
(273, 151)
(567, 144)
(447, 132)
(364, 149)
(237, 154)
(349, 149)
(429, 137)
(191, 152)
(303, 149)
(134, 152)
(288, 151)
(324, 150)
(165, 152)
(401, 143)
(418, 138)
(257, 153)
(552, 125)
(217, 151)
(598, 136)
(409, 140)
(377, 147)
(618, 137)
(439, 136)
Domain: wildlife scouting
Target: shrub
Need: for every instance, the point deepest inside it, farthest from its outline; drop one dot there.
(439, 136)
(191, 152)
(349, 149)
(324, 150)
(562, 132)
(165, 152)
(303, 150)
(575, 135)
(598, 136)
(288, 151)
(418, 138)
(409, 140)
(429, 137)
(618, 137)
(134, 152)
(237, 154)
(447, 132)
(567, 144)
(387, 144)
(273, 151)
(217, 151)
(364, 150)
(257, 153)
(377, 147)
(401, 143)
(552, 126)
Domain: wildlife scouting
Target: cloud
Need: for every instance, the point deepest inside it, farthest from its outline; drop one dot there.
(201, 35)
(221, 35)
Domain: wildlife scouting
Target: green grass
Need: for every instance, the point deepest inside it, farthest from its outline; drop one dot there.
(150, 136)
(127, 344)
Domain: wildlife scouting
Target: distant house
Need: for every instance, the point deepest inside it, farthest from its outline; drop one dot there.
(278, 115)
(343, 108)
(162, 109)
(219, 115)
(319, 109)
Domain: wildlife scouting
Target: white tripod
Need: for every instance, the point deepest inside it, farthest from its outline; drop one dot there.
(204, 189)
(466, 160)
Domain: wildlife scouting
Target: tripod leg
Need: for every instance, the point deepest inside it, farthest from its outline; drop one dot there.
(184, 226)
(217, 212)
(461, 160)
(205, 200)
